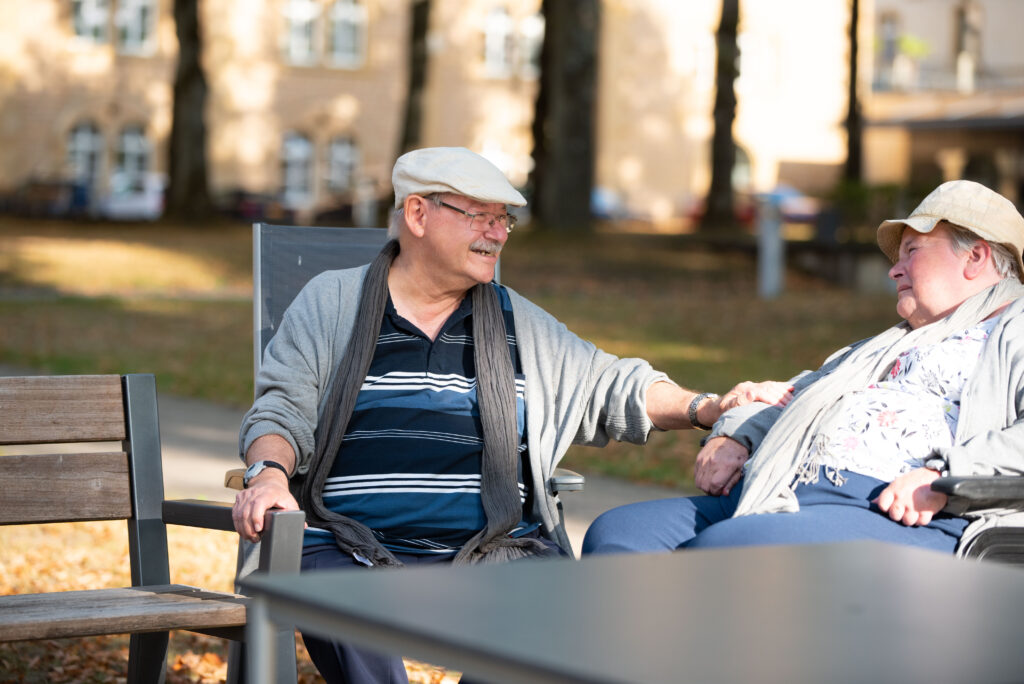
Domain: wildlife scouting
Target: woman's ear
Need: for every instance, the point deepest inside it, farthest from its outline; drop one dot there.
(979, 257)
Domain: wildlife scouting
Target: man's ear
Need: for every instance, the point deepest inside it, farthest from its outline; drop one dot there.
(415, 212)
(978, 259)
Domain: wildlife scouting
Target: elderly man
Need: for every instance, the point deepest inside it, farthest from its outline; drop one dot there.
(853, 452)
(426, 406)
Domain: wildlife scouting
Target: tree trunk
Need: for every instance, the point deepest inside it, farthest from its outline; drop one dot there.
(720, 214)
(563, 127)
(188, 196)
(412, 124)
(854, 122)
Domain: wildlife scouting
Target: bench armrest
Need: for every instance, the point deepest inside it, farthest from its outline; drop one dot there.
(565, 480)
(983, 488)
(210, 515)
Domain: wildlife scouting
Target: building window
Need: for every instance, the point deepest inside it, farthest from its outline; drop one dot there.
(85, 152)
(132, 161)
(499, 44)
(346, 34)
(134, 20)
(531, 40)
(297, 171)
(90, 19)
(300, 38)
(342, 164)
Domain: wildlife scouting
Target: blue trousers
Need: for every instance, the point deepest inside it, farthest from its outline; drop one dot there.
(343, 664)
(827, 514)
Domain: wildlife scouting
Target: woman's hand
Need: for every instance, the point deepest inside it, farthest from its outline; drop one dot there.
(719, 466)
(909, 498)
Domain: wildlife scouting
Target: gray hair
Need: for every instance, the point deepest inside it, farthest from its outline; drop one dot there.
(1003, 257)
(398, 216)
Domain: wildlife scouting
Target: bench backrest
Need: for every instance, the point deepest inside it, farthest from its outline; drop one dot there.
(71, 482)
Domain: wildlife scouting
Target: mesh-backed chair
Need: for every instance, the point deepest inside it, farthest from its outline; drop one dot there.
(1002, 544)
(285, 258)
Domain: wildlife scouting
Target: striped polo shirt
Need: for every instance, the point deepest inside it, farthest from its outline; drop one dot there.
(409, 464)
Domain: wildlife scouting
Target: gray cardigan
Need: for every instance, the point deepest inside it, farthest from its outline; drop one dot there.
(575, 393)
(990, 432)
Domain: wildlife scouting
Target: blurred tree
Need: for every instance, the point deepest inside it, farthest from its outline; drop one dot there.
(563, 125)
(854, 121)
(719, 213)
(412, 123)
(188, 194)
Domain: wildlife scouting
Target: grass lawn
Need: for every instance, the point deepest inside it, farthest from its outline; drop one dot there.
(176, 301)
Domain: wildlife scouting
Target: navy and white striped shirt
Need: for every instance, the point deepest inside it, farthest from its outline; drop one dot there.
(410, 462)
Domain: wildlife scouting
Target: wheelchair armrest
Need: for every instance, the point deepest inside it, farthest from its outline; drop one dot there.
(982, 488)
(564, 480)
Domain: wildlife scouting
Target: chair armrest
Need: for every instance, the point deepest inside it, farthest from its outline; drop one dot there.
(210, 515)
(564, 480)
(983, 488)
(233, 478)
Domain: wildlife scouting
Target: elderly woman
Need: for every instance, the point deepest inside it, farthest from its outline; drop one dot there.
(853, 452)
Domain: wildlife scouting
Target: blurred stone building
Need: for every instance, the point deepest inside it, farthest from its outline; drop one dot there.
(307, 97)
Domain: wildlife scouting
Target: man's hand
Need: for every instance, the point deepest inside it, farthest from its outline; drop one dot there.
(269, 489)
(909, 498)
(266, 491)
(769, 392)
(720, 466)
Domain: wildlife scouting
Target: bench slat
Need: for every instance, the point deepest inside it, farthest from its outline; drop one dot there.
(68, 408)
(117, 611)
(41, 488)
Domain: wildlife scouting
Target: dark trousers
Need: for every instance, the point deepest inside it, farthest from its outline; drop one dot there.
(343, 664)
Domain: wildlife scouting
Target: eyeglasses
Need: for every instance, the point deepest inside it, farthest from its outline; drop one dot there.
(483, 220)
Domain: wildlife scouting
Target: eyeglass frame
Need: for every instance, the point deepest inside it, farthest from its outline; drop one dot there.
(510, 219)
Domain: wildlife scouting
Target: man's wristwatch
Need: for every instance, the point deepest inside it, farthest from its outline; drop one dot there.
(258, 467)
(694, 405)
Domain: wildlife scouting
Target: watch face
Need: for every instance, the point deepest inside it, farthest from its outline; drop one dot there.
(252, 471)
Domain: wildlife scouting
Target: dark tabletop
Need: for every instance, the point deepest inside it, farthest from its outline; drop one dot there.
(851, 612)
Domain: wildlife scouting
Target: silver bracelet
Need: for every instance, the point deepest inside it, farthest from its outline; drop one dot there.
(693, 409)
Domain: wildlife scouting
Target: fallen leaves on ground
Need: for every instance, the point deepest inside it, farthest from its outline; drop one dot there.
(94, 555)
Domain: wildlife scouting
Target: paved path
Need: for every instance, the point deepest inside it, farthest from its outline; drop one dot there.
(200, 442)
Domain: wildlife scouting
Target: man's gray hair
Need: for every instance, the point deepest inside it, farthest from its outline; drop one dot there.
(1002, 256)
(398, 216)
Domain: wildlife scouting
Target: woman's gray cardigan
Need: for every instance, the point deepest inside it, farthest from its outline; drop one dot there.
(575, 393)
(989, 437)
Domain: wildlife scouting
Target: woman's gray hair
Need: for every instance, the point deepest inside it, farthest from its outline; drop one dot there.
(1002, 256)
(398, 216)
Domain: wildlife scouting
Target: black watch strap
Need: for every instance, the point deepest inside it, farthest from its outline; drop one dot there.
(258, 467)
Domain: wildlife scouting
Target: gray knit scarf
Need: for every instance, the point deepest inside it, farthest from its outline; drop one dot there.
(782, 460)
(496, 393)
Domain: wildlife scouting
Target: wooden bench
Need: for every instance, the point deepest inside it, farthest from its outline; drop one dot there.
(125, 483)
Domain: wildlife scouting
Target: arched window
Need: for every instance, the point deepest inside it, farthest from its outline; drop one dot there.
(85, 153)
(499, 44)
(346, 34)
(134, 20)
(342, 164)
(90, 19)
(132, 159)
(300, 39)
(297, 171)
